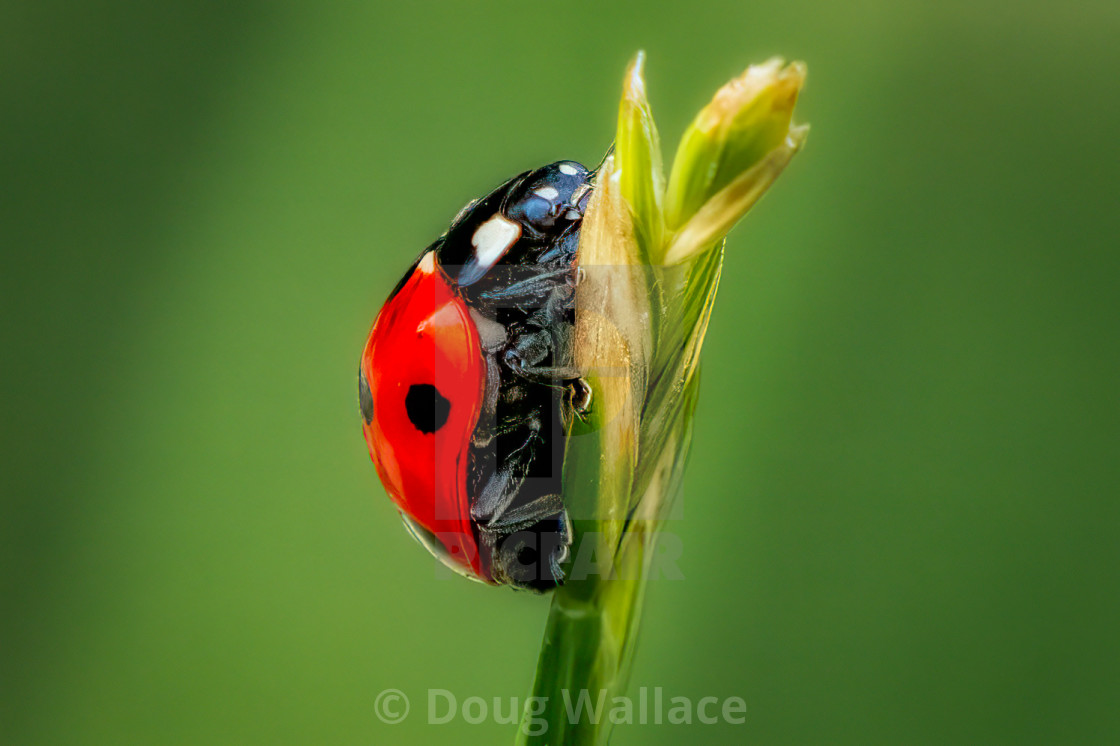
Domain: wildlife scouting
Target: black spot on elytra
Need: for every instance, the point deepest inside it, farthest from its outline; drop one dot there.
(427, 408)
(365, 397)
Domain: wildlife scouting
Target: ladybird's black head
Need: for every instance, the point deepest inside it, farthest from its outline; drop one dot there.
(549, 198)
(512, 224)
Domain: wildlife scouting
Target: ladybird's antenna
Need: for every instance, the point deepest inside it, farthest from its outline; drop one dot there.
(595, 171)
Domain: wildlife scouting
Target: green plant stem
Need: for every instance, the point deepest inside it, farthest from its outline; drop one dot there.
(650, 253)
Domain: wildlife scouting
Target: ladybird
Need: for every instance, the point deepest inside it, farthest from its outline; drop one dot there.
(463, 374)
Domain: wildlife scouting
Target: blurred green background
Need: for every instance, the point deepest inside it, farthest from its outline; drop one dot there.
(900, 523)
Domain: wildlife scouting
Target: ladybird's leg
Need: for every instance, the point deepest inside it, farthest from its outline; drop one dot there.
(502, 488)
(557, 377)
(531, 287)
(511, 523)
(527, 354)
(527, 515)
(563, 250)
(492, 509)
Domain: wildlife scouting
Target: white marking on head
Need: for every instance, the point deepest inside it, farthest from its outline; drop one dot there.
(547, 192)
(427, 263)
(569, 169)
(492, 239)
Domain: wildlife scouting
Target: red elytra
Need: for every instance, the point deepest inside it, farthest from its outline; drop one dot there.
(424, 337)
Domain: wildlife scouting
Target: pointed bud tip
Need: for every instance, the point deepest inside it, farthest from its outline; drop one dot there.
(635, 84)
(780, 82)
